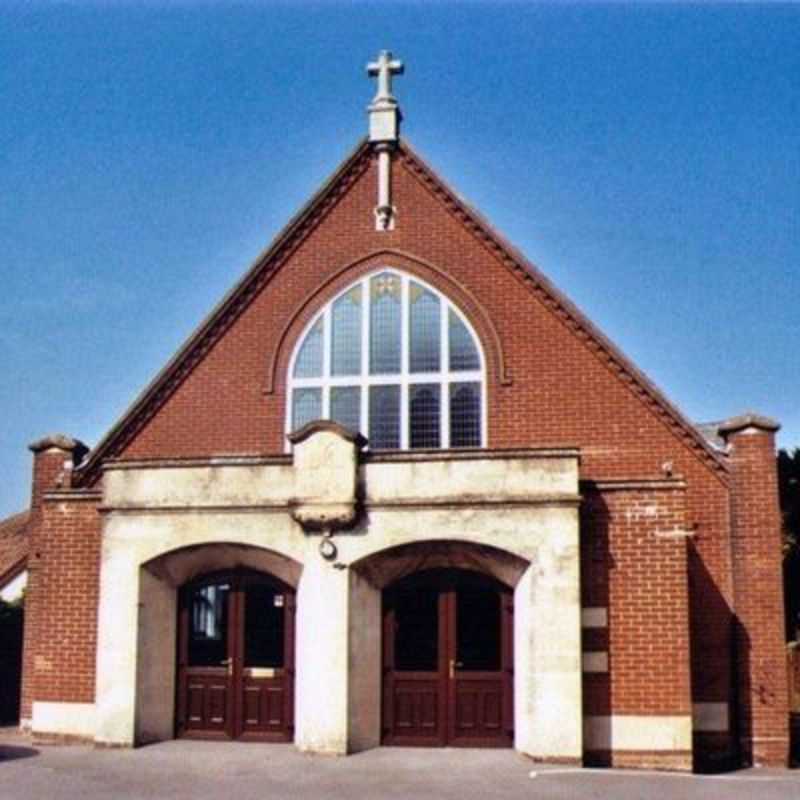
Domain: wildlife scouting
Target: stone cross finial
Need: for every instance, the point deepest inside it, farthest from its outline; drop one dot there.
(384, 68)
(384, 131)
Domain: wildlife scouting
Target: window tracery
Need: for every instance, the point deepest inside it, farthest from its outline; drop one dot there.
(394, 359)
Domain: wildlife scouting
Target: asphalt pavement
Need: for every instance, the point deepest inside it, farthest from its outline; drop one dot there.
(194, 770)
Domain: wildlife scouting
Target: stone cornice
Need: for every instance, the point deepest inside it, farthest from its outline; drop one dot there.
(413, 456)
(366, 457)
(145, 510)
(197, 462)
(73, 495)
(634, 485)
(406, 504)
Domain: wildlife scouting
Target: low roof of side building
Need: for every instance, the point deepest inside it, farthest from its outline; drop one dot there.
(14, 545)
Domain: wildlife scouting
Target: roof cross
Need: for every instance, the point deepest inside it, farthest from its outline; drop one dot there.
(384, 68)
(384, 130)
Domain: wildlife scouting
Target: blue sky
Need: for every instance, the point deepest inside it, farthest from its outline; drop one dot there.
(646, 157)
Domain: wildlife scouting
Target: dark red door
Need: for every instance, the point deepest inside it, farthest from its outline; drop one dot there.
(448, 659)
(236, 658)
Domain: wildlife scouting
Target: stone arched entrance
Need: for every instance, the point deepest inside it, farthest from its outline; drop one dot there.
(138, 678)
(448, 657)
(235, 670)
(426, 596)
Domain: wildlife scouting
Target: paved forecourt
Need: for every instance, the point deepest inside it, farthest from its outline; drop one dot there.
(195, 770)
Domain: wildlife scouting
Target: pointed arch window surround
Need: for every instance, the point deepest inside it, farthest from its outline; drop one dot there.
(396, 360)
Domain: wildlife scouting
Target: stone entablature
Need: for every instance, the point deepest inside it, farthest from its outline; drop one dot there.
(333, 475)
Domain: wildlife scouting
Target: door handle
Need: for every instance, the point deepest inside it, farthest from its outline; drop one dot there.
(453, 665)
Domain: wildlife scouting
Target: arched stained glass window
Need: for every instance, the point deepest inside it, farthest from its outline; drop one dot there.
(394, 359)
(309, 359)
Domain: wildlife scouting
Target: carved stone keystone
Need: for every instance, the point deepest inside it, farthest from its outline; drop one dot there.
(326, 472)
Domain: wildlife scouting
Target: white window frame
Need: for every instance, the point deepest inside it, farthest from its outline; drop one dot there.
(444, 377)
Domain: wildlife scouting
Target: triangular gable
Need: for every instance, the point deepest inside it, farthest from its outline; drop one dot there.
(299, 228)
(566, 310)
(224, 314)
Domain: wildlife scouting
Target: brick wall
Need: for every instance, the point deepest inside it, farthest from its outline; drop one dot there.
(634, 563)
(61, 617)
(48, 468)
(763, 714)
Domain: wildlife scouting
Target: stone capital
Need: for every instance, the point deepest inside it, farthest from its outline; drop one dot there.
(749, 422)
(59, 441)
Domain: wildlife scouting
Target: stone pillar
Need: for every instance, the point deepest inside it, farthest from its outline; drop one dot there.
(548, 716)
(117, 645)
(338, 680)
(365, 665)
(321, 714)
(763, 713)
(155, 660)
(336, 612)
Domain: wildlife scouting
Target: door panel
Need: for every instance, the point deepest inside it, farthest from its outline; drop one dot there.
(264, 709)
(266, 658)
(207, 702)
(417, 715)
(205, 682)
(482, 669)
(414, 657)
(448, 661)
(236, 668)
(478, 710)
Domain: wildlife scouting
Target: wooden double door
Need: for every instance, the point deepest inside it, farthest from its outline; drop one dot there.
(236, 658)
(448, 661)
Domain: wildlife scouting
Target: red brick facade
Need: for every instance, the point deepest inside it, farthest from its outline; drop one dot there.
(61, 617)
(762, 687)
(634, 563)
(660, 547)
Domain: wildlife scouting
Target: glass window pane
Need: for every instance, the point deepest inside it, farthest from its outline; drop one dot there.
(478, 626)
(416, 638)
(384, 347)
(346, 406)
(425, 330)
(309, 359)
(306, 406)
(465, 415)
(208, 632)
(263, 626)
(424, 408)
(463, 352)
(346, 334)
(384, 417)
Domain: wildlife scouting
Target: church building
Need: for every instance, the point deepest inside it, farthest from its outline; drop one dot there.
(396, 489)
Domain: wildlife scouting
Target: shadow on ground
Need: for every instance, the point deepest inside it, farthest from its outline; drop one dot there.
(13, 752)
